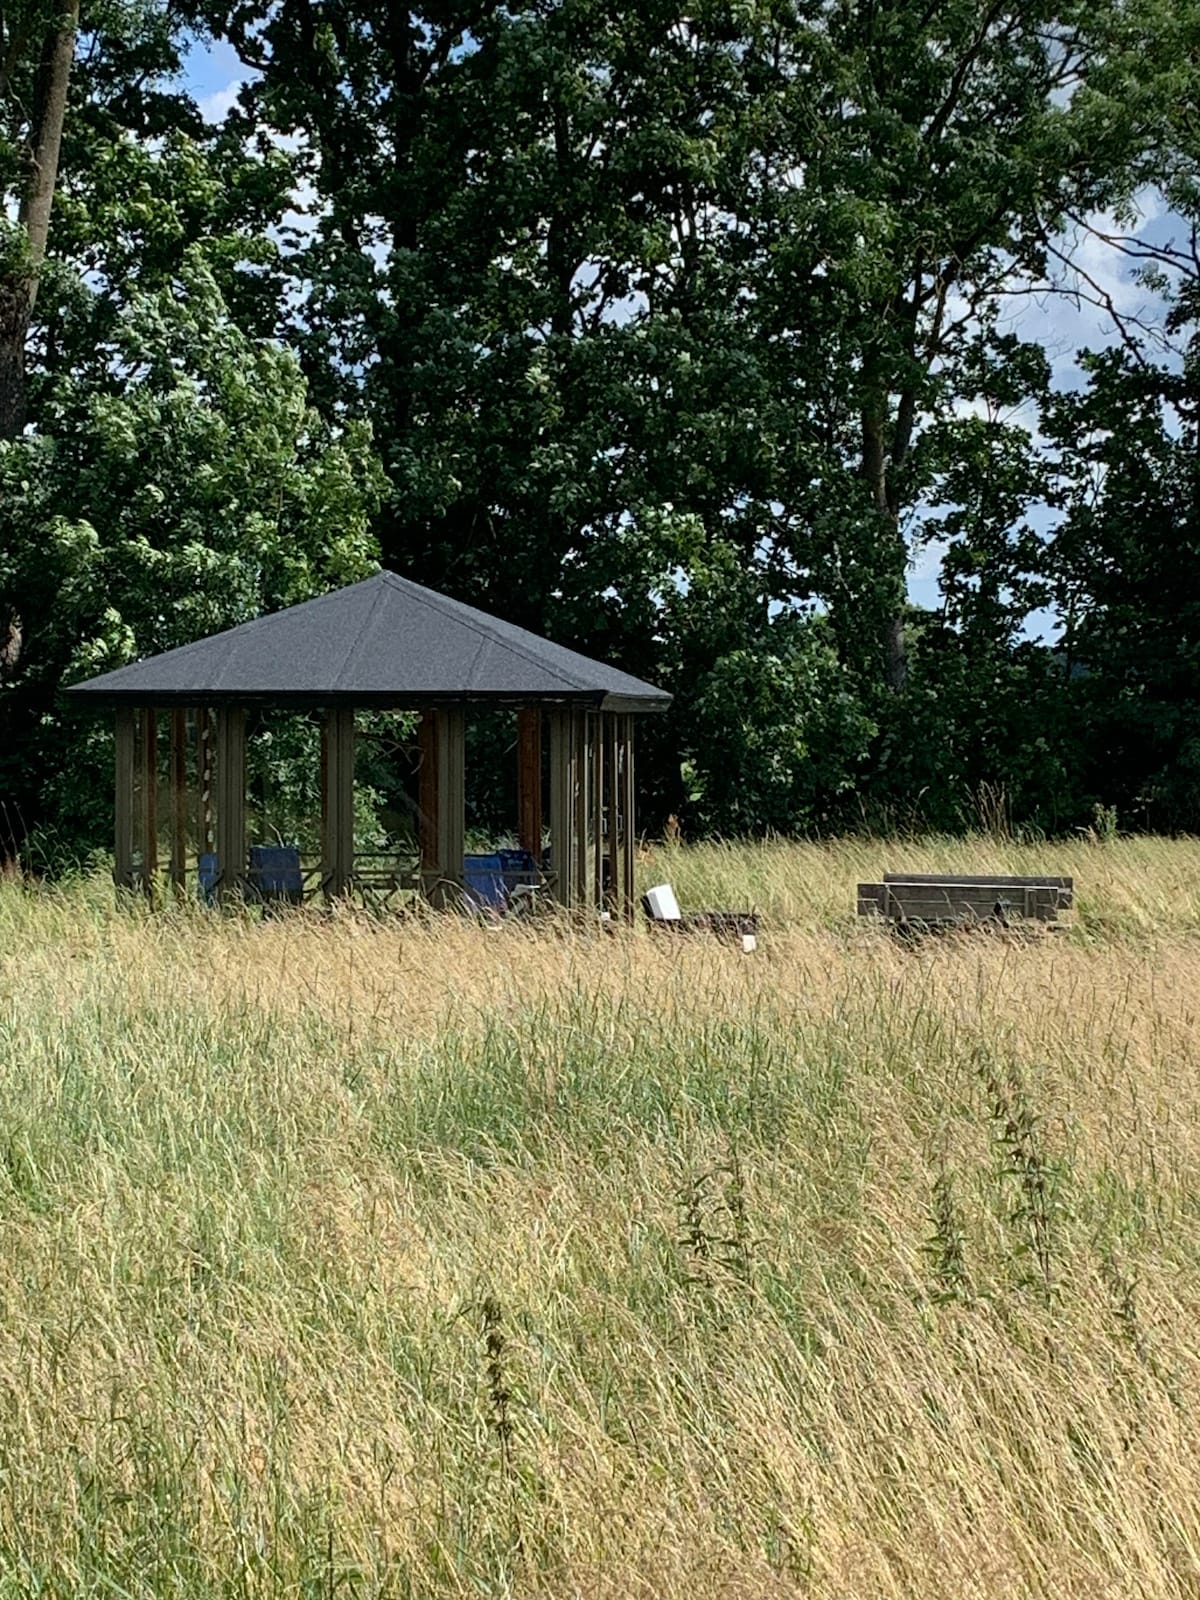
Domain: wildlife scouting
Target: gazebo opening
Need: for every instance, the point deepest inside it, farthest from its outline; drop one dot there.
(323, 750)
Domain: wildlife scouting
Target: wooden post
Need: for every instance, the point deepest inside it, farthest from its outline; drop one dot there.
(123, 800)
(583, 792)
(149, 799)
(178, 867)
(563, 766)
(231, 801)
(338, 809)
(323, 777)
(598, 731)
(345, 780)
(451, 801)
(629, 823)
(205, 819)
(613, 796)
(529, 781)
(427, 799)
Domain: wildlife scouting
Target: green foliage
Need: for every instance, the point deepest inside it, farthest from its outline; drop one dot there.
(677, 337)
(1127, 568)
(186, 488)
(781, 735)
(630, 298)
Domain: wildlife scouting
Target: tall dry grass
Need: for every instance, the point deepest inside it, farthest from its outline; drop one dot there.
(350, 1258)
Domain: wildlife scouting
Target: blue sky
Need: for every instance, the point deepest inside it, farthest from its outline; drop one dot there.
(213, 70)
(1062, 326)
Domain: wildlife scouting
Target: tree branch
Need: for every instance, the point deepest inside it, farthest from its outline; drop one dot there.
(962, 71)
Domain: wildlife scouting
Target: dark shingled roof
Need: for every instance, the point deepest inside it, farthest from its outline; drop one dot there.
(384, 642)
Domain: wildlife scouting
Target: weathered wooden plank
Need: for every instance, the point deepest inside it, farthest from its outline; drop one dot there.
(725, 924)
(529, 781)
(563, 767)
(338, 819)
(581, 889)
(976, 878)
(178, 866)
(452, 797)
(612, 767)
(929, 902)
(123, 799)
(925, 900)
(1064, 886)
(628, 820)
(597, 862)
(231, 801)
(207, 781)
(972, 893)
(149, 798)
(427, 795)
(929, 898)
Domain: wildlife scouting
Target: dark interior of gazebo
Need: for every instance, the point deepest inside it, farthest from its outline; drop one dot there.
(381, 646)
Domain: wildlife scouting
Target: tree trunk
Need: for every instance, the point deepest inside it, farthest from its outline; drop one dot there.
(14, 329)
(18, 290)
(874, 469)
(18, 294)
(897, 657)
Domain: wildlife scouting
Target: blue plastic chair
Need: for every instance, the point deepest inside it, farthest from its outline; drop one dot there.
(275, 872)
(208, 875)
(516, 861)
(483, 882)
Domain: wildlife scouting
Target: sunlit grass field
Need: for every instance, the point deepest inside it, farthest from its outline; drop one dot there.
(341, 1257)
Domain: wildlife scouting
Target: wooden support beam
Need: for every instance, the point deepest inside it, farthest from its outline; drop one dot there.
(597, 862)
(324, 780)
(204, 736)
(581, 888)
(345, 779)
(427, 798)
(231, 801)
(563, 767)
(529, 781)
(123, 799)
(178, 867)
(149, 799)
(338, 810)
(629, 822)
(451, 803)
(612, 768)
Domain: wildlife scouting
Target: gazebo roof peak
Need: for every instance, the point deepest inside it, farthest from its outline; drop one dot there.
(386, 642)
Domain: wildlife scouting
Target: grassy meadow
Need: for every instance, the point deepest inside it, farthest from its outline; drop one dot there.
(346, 1258)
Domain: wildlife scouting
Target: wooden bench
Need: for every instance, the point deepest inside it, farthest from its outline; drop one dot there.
(664, 916)
(944, 900)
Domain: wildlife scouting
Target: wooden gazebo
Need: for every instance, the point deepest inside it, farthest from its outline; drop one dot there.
(383, 644)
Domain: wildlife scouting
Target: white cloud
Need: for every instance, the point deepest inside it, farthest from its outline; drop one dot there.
(215, 107)
(925, 565)
(1096, 275)
(1024, 415)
